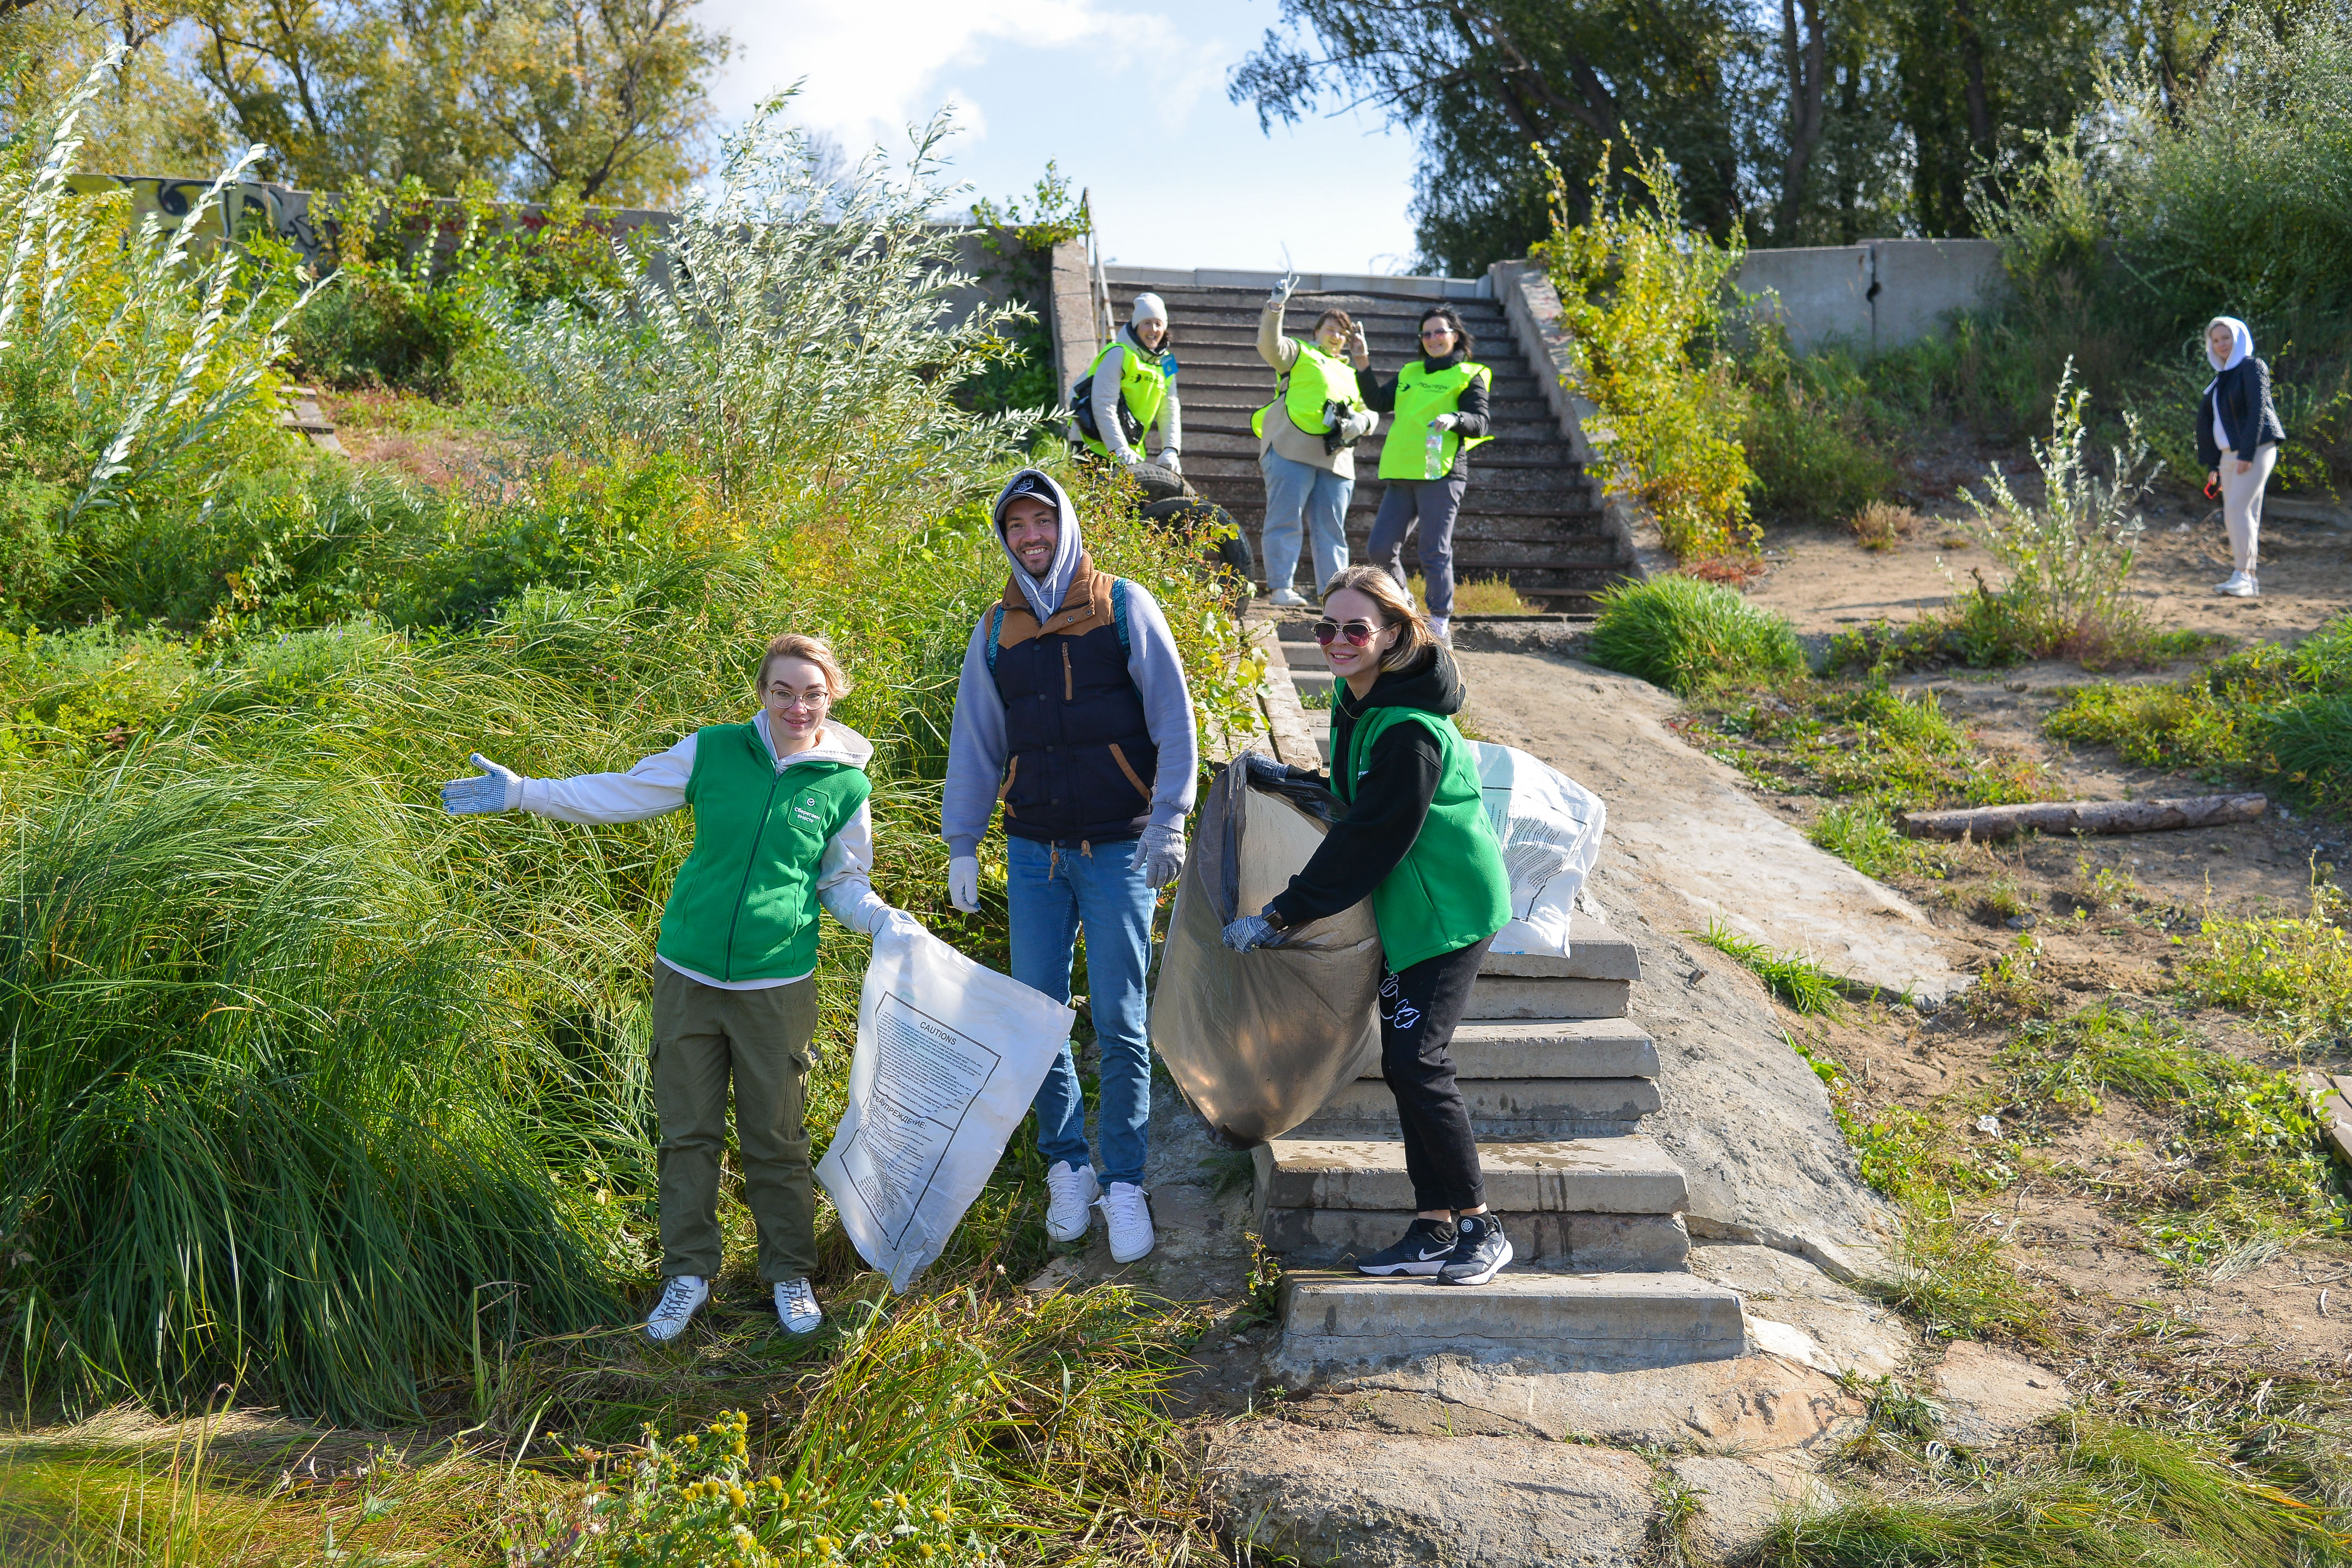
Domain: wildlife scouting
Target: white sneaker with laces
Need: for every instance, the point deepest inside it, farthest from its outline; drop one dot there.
(682, 1296)
(2240, 585)
(1286, 598)
(1129, 1210)
(1069, 1201)
(796, 1305)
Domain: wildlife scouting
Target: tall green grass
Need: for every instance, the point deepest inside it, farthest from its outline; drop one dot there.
(1680, 633)
(260, 1130)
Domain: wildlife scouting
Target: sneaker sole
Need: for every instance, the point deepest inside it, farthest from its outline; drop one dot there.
(799, 1331)
(1053, 1234)
(1481, 1279)
(1425, 1266)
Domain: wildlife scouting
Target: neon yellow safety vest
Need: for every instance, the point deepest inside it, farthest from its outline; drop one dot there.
(1316, 378)
(1413, 450)
(1142, 383)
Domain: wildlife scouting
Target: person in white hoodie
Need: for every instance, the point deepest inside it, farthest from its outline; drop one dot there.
(1137, 368)
(1073, 713)
(780, 827)
(2238, 438)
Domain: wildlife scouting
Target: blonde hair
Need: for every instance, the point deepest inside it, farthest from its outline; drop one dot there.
(1396, 610)
(816, 650)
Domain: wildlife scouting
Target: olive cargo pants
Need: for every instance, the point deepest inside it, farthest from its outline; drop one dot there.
(703, 1037)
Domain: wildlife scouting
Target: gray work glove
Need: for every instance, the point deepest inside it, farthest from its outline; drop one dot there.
(1251, 931)
(1445, 422)
(963, 883)
(1161, 855)
(498, 789)
(1173, 461)
(1360, 424)
(895, 925)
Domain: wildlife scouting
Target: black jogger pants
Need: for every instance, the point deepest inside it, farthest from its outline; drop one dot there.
(1419, 1010)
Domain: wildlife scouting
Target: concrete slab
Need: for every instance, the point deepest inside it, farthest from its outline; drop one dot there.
(1333, 1323)
(1989, 1394)
(1545, 1108)
(1589, 1175)
(1551, 1047)
(1595, 953)
(1581, 1243)
(1511, 996)
(1797, 1311)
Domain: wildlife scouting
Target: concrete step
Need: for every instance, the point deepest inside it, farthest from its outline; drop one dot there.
(1335, 1325)
(1499, 1107)
(1605, 1048)
(1585, 1243)
(1629, 1176)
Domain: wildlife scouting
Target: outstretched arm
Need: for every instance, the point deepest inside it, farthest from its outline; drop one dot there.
(656, 785)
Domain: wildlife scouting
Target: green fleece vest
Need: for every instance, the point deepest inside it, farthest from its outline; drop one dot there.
(744, 905)
(1450, 890)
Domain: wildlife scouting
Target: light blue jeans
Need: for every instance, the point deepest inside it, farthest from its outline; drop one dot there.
(1297, 493)
(1052, 892)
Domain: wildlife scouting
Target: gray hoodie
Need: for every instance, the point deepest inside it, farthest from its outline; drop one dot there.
(976, 744)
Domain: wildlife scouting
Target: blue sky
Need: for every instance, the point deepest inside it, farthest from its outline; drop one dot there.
(1128, 95)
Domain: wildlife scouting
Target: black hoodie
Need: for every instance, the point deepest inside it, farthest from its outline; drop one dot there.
(1392, 795)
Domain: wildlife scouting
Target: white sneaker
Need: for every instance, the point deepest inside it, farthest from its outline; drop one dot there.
(796, 1305)
(1069, 1196)
(1130, 1213)
(1442, 629)
(1286, 598)
(2240, 585)
(682, 1296)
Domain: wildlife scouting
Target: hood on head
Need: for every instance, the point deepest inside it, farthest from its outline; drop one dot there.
(1045, 594)
(1431, 683)
(2241, 343)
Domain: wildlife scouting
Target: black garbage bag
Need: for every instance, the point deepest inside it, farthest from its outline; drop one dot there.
(1258, 1041)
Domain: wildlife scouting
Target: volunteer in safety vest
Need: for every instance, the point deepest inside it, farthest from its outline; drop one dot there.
(1306, 440)
(1073, 713)
(780, 829)
(1416, 842)
(1439, 402)
(1137, 368)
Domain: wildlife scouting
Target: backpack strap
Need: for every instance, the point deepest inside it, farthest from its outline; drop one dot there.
(1118, 613)
(995, 631)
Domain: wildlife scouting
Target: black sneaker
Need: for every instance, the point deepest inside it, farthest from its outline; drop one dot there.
(1427, 1244)
(1480, 1249)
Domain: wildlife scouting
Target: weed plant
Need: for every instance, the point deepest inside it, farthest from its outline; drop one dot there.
(1680, 633)
(1861, 834)
(1796, 979)
(2293, 976)
(1805, 436)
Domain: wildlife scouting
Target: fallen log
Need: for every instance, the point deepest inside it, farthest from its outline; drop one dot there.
(1989, 822)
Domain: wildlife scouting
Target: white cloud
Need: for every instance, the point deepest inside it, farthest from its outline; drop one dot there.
(872, 68)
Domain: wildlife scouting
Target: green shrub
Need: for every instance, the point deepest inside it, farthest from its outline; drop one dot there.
(1681, 633)
(1806, 440)
(2294, 973)
(1641, 305)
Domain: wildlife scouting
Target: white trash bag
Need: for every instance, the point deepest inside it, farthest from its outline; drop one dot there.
(1550, 827)
(950, 1055)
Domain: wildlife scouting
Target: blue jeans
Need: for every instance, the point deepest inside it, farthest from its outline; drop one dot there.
(1052, 891)
(1296, 492)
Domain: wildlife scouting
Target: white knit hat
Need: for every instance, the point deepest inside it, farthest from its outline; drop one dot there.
(1149, 308)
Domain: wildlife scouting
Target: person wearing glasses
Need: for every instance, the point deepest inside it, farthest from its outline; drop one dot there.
(1439, 402)
(1073, 711)
(1306, 442)
(781, 827)
(1416, 841)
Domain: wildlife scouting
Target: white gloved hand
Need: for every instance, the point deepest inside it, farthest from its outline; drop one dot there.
(498, 789)
(895, 925)
(1159, 854)
(1173, 461)
(1445, 422)
(963, 883)
(1361, 424)
(1281, 295)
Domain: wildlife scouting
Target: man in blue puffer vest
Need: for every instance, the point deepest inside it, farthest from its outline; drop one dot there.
(1073, 711)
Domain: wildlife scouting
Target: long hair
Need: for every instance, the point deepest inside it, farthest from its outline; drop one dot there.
(1463, 343)
(1396, 610)
(816, 650)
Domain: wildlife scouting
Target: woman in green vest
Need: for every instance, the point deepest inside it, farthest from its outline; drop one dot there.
(1416, 842)
(1439, 402)
(1137, 369)
(780, 827)
(1307, 443)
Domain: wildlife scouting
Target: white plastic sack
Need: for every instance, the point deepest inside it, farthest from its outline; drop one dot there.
(950, 1054)
(1550, 827)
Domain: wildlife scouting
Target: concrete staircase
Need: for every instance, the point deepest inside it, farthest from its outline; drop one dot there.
(1531, 514)
(1558, 1080)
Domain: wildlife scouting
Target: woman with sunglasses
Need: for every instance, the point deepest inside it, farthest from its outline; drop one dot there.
(780, 826)
(1417, 843)
(1439, 401)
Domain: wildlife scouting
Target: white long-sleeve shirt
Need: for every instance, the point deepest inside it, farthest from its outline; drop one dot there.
(658, 785)
(1170, 419)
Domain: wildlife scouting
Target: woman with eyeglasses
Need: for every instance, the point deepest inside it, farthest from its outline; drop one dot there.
(781, 827)
(1417, 843)
(1439, 401)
